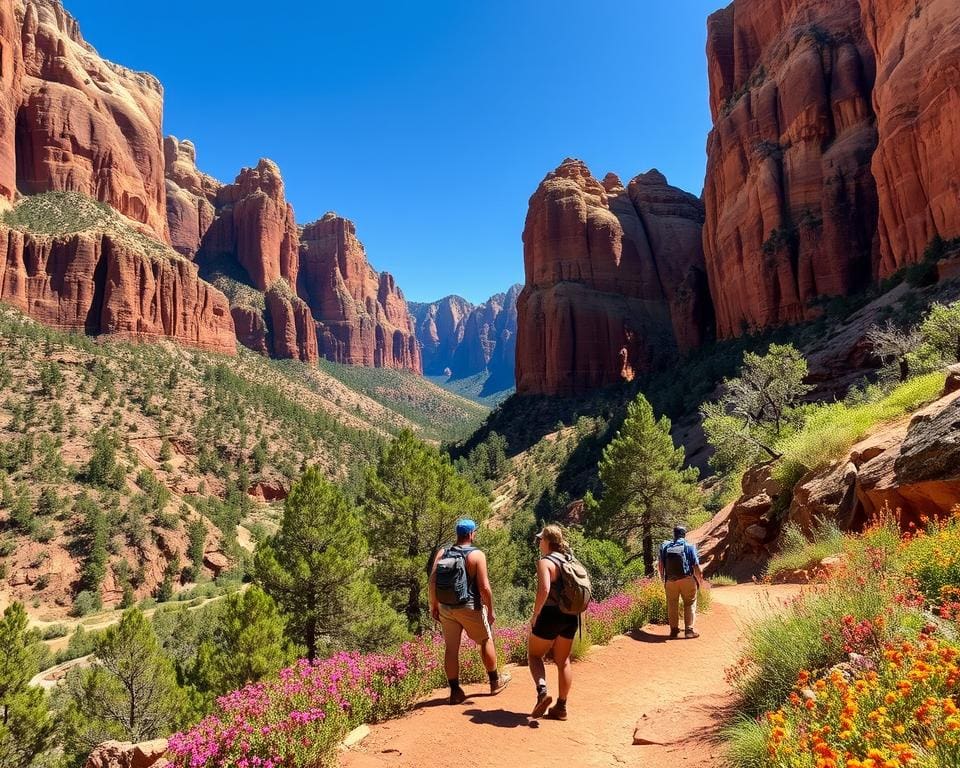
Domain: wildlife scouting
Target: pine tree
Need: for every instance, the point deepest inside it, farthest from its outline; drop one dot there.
(130, 693)
(249, 644)
(645, 486)
(412, 500)
(314, 567)
(25, 725)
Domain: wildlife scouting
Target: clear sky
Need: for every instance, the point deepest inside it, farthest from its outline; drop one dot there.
(429, 123)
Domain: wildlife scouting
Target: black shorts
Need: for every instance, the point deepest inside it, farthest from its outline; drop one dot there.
(552, 622)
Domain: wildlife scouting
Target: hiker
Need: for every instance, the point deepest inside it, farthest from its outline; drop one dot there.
(679, 567)
(462, 601)
(551, 627)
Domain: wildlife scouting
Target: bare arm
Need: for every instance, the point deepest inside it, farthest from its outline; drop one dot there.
(543, 588)
(432, 588)
(483, 585)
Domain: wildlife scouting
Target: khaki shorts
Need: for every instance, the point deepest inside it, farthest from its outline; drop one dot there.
(454, 618)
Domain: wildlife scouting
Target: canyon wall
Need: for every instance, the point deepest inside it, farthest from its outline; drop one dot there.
(459, 339)
(615, 280)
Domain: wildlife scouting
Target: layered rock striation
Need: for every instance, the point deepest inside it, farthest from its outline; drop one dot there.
(791, 203)
(459, 339)
(82, 124)
(615, 280)
(362, 316)
(917, 103)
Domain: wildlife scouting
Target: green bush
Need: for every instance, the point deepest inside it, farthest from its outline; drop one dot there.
(797, 552)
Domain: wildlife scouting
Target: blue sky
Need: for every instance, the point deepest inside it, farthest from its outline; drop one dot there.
(429, 124)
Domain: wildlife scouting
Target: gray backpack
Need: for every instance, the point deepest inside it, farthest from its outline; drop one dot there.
(576, 588)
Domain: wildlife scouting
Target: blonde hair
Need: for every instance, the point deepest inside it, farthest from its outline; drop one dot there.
(554, 535)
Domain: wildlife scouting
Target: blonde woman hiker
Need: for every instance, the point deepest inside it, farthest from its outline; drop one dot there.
(552, 627)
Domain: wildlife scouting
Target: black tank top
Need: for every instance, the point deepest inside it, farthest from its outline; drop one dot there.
(471, 580)
(553, 596)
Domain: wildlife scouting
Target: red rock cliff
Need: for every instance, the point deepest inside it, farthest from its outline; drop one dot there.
(102, 281)
(11, 77)
(82, 123)
(362, 317)
(614, 280)
(791, 205)
(917, 101)
(191, 196)
(255, 226)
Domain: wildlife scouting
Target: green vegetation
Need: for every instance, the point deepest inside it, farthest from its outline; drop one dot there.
(314, 569)
(646, 489)
(798, 552)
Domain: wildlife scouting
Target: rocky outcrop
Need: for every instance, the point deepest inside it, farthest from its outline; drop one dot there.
(191, 196)
(917, 103)
(614, 280)
(11, 77)
(82, 123)
(362, 317)
(791, 205)
(96, 282)
(459, 339)
(251, 329)
(255, 227)
(123, 754)
(293, 330)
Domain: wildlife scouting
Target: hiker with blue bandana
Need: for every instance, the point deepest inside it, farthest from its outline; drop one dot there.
(462, 601)
(679, 567)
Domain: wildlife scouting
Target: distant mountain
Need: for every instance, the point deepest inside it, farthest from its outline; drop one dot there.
(461, 341)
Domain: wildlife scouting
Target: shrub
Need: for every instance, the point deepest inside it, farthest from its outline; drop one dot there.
(798, 552)
(86, 603)
(933, 559)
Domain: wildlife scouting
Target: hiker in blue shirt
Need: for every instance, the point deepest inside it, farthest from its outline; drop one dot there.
(679, 567)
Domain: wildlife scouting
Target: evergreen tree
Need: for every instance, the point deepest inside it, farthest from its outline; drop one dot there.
(130, 693)
(412, 500)
(248, 645)
(197, 536)
(645, 486)
(314, 568)
(25, 725)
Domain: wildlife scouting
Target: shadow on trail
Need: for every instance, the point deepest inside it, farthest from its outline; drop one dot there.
(501, 718)
(430, 703)
(642, 636)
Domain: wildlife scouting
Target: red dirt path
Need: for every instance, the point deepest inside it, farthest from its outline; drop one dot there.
(672, 692)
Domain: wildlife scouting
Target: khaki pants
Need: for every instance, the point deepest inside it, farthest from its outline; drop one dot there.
(686, 589)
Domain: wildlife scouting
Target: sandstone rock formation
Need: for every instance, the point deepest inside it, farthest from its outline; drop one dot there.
(614, 280)
(459, 339)
(11, 77)
(791, 205)
(107, 280)
(917, 102)
(293, 329)
(191, 196)
(255, 227)
(362, 317)
(123, 754)
(82, 123)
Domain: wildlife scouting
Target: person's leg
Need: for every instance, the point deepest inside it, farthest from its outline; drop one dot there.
(537, 649)
(688, 589)
(561, 657)
(452, 632)
(672, 588)
(478, 629)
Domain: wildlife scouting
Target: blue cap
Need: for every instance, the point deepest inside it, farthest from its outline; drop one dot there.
(465, 526)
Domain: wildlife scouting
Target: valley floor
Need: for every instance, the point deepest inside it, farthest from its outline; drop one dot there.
(641, 688)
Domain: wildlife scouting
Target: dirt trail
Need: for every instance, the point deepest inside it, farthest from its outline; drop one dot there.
(672, 693)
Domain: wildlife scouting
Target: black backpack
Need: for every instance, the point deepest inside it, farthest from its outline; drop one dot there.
(675, 564)
(452, 583)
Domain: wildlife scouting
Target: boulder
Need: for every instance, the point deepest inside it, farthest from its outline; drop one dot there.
(615, 281)
(123, 754)
(953, 379)
(790, 201)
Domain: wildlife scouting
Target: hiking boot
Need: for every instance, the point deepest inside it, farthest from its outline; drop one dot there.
(690, 633)
(557, 712)
(674, 633)
(458, 696)
(543, 701)
(502, 679)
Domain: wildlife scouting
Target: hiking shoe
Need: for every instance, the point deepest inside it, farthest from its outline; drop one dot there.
(557, 713)
(691, 633)
(502, 679)
(674, 633)
(543, 702)
(458, 696)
